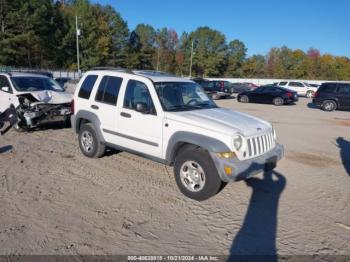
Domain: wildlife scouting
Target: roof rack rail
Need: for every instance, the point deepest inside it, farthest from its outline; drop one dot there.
(118, 69)
(152, 73)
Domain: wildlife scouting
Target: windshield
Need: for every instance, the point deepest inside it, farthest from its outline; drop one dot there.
(34, 83)
(182, 96)
(306, 84)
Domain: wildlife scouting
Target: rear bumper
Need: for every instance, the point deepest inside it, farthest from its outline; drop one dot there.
(244, 169)
(317, 102)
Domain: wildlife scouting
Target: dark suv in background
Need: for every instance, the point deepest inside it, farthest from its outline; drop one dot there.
(216, 89)
(331, 96)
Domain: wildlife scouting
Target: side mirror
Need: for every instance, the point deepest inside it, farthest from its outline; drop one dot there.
(5, 89)
(142, 108)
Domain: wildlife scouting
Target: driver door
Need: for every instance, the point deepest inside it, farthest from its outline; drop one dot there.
(5, 96)
(141, 132)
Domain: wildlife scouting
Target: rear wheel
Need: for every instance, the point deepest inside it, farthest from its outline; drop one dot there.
(89, 143)
(278, 101)
(244, 99)
(310, 94)
(196, 175)
(329, 105)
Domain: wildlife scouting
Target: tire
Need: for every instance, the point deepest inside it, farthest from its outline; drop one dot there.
(204, 181)
(19, 129)
(244, 99)
(278, 101)
(215, 96)
(329, 105)
(67, 122)
(89, 143)
(310, 94)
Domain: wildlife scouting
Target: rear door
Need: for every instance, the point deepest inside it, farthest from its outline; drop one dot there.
(344, 95)
(257, 96)
(141, 132)
(105, 105)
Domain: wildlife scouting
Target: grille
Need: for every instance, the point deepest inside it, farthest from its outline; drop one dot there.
(258, 145)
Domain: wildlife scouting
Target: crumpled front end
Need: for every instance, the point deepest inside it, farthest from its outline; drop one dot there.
(33, 112)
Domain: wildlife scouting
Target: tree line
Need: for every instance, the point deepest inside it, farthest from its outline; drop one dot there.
(41, 34)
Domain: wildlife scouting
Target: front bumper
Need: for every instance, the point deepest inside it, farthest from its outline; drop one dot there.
(247, 168)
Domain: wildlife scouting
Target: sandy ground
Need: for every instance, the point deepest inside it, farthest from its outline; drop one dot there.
(56, 201)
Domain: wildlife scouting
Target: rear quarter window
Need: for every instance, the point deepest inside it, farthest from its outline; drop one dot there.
(87, 86)
(328, 88)
(108, 90)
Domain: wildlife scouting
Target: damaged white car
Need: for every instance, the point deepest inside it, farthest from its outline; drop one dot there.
(36, 98)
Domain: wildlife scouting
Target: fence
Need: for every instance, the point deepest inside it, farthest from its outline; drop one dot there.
(260, 82)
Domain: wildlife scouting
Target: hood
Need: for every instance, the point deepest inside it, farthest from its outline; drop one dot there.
(50, 97)
(223, 120)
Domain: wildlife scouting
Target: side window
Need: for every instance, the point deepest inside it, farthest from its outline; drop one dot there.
(260, 90)
(296, 84)
(344, 88)
(282, 83)
(86, 86)
(137, 92)
(4, 82)
(108, 90)
(328, 88)
(269, 89)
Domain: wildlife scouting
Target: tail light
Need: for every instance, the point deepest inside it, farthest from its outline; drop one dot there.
(316, 94)
(72, 106)
(289, 94)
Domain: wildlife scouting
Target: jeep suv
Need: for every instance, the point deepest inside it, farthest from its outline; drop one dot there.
(332, 96)
(214, 88)
(171, 120)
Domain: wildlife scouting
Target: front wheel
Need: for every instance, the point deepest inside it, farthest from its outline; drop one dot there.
(196, 175)
(278, 101)
(215, 96)
(329, 105)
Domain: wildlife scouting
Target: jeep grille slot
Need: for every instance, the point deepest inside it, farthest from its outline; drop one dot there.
(259, 145)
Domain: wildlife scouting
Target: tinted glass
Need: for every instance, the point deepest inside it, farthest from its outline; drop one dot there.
(271, 89)
(4, 82)
(296, 84)
(344, 88)
(282, 83)
(87, 86)
(328, 88)
(108, 90)
(137, 92)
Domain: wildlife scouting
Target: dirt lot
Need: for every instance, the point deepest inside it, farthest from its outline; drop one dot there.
(56, 201)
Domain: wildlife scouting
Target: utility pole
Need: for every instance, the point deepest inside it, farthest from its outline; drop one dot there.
(191, 59)
(78, 34)
(158, 58)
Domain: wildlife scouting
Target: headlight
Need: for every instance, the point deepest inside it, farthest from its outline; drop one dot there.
(237, 142)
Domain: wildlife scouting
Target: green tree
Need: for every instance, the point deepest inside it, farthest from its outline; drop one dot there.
(236, 55)
(210, 52)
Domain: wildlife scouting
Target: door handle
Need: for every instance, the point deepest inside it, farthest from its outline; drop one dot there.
(127, 115)
(94, 107)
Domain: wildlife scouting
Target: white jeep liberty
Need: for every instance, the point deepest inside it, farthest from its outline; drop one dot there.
(171, 120)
